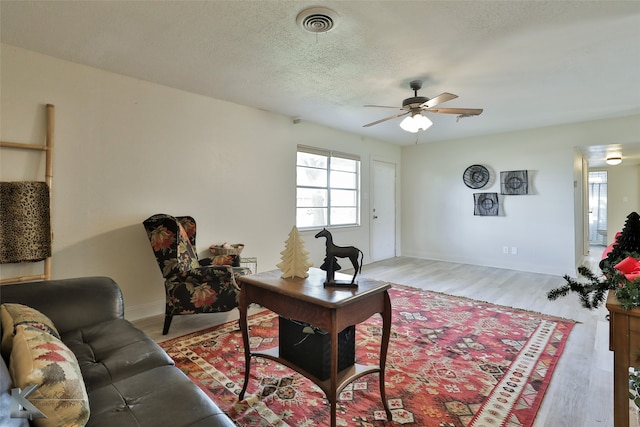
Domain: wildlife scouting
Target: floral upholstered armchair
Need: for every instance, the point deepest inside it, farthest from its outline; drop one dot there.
(192, 285)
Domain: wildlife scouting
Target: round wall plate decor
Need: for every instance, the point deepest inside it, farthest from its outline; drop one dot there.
(476, 176)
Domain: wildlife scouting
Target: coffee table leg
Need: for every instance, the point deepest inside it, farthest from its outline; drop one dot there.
(244, 328)
(384, 346)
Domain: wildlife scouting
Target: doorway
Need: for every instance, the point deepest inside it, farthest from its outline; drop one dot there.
(598, 208)
(383, 210)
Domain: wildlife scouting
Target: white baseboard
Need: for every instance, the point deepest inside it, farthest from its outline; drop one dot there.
(142, 311)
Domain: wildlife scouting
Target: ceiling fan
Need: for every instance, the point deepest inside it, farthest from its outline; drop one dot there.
(415, 105)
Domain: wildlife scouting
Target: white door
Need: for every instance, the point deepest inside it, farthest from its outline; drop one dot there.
(383, 210)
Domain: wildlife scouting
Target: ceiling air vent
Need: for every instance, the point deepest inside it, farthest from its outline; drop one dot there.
(317, 19)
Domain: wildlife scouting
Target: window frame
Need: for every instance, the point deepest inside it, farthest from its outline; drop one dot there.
(330, 154)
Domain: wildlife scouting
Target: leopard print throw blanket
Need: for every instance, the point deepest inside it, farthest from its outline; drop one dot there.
(25, 225)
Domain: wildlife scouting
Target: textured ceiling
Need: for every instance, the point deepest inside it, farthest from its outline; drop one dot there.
(529, 64)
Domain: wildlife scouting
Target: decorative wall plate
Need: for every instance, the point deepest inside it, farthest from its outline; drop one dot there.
(514, 182)
(476, 176)
(486, 204)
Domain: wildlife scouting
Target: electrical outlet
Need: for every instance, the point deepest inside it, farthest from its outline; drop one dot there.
(514, 250)
(505, 249)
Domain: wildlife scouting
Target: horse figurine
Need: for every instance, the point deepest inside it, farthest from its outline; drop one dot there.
(354, 254)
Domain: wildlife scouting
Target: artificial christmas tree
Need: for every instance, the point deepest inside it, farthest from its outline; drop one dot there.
(295, 260)
(592, 294)
(627, 242)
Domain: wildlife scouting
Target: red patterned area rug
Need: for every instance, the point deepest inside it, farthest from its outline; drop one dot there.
(451, 362)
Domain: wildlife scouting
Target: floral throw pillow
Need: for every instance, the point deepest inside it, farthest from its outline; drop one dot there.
(41, 359)
(13, 315)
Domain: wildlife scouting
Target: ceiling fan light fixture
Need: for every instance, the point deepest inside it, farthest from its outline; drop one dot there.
(614, 160)
(415, 123)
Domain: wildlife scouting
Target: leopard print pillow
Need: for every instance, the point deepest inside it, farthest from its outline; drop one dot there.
(25, 227)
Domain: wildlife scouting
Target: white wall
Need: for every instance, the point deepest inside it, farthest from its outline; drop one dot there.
(127, 149)
(437, 209)
(623, 195)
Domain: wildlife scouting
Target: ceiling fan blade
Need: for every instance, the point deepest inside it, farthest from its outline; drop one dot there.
(461, 111)
(385, 119)
(443, 97)
(381, 106)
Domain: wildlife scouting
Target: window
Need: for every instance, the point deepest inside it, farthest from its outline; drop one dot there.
(328, 188)
(598, 207)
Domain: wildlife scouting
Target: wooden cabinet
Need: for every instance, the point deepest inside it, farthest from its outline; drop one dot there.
(624, 341)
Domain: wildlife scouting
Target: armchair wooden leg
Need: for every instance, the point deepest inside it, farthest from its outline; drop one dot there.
(167, 322)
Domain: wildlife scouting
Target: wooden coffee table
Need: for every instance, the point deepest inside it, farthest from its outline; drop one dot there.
(331, 309)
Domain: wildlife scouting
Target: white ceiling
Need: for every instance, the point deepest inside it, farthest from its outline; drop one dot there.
(529, 64)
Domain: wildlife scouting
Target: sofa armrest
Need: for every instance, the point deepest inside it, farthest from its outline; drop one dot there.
(69, 303)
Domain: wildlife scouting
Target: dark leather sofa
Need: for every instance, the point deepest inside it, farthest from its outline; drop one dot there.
(130, 380)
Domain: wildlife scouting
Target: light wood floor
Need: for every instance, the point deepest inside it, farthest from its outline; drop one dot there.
(581, 390)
